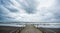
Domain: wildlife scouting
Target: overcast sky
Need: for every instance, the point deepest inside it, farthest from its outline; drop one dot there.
(30, 10)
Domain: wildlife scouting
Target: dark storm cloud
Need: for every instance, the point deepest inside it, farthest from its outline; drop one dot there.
(29, 6)
(6, 4)
(8, 11)
(4, 14)
(5, 8)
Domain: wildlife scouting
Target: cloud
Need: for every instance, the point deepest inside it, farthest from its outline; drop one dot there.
(30, 10)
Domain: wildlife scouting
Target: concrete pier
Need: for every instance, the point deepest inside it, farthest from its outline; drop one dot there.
(30, 29)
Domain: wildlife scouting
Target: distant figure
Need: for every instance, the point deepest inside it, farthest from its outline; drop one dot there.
(30, 29)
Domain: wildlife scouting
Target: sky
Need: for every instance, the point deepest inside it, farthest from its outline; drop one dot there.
(30, 10)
